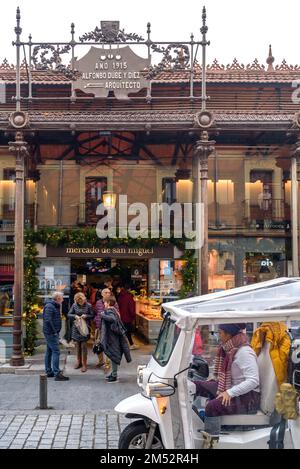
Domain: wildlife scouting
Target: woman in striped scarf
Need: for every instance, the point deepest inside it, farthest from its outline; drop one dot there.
(235, 389)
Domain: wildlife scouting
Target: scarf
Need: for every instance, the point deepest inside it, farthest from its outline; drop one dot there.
(80, 310)
(224, 360)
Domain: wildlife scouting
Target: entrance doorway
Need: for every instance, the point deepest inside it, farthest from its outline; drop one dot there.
(99, 272)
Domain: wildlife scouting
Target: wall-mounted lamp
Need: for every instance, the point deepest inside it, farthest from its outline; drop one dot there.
(109, 199)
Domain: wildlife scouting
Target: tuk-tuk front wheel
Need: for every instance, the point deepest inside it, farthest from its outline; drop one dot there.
(135, 435)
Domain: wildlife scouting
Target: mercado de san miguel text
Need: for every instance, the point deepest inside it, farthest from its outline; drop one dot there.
(130, 121)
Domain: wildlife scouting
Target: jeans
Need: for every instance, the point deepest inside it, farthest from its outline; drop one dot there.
(114, 368)
(52, 354)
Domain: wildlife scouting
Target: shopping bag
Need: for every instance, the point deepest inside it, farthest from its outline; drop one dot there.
(82, 327)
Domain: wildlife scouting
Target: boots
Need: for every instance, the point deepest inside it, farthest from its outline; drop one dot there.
(78, 353)
(84, 358)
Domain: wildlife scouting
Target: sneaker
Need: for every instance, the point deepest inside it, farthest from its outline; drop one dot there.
(50, 375)
(108, 377)
(61, 377)
(134, 347)
(112, 379)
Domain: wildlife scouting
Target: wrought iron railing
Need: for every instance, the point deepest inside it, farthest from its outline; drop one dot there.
(247, 214)
(7, 214)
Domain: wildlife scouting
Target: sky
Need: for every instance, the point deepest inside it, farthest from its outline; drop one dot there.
(237, 28)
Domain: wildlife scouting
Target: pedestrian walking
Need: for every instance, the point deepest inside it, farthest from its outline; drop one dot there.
(113, 338)
(127, 311)
(82, 314)
(99, 308)
(51, 327)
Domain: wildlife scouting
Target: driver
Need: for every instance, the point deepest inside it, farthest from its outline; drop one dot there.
(235, 389)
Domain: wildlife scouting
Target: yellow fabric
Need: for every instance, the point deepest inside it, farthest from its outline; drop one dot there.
(276, 334)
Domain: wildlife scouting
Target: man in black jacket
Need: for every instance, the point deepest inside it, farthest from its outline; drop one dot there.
(51, 328)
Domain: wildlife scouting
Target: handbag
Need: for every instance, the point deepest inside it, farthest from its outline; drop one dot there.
(82, 327)
(98, 348)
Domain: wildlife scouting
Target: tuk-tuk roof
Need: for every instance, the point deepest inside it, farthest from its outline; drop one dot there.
(274, 300)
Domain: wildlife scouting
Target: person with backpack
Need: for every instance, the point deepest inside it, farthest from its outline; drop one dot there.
(113, 337)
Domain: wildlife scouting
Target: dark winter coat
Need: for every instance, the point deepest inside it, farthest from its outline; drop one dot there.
(51, 318)
(127, 307)
(77, 310)
(114, 345)
(99, 308)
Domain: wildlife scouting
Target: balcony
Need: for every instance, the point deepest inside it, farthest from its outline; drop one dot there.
(248, 216)
(7, 215)
(275, 209)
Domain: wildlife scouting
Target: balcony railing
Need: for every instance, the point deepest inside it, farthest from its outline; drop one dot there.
(237, 216)
(7, 214)
(247, 215)
(274, 209)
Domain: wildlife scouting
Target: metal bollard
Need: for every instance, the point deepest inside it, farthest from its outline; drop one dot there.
(43, 392)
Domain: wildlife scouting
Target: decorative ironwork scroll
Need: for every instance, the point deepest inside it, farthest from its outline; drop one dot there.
(52, 62)
(110, 32)
(175, 56)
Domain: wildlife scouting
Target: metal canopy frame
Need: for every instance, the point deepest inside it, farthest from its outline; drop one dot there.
(177, 56)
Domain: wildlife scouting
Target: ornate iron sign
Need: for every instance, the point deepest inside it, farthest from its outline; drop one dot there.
(115, 69)
(110, 68)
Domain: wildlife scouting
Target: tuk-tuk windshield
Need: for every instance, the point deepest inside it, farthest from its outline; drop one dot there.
(167, 339)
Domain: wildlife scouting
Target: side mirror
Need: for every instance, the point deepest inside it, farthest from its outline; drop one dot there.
(199, 369)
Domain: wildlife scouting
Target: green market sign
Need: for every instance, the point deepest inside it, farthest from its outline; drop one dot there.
(120, 252)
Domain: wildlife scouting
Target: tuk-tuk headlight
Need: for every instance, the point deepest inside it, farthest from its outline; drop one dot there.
(159, 390)
(140, 375)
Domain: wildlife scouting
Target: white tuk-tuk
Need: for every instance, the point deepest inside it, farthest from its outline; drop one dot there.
(166, 413)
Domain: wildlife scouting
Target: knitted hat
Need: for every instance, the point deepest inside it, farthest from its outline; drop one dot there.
(232, 329)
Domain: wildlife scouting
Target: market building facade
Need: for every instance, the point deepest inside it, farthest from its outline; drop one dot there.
(114, 129)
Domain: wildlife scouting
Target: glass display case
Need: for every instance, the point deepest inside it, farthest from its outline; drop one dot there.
(165, 279)
(148, 318)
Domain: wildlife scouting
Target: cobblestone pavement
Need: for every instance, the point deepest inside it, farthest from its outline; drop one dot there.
(61, 431)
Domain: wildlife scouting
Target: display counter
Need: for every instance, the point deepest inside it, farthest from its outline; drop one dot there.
(148, 319)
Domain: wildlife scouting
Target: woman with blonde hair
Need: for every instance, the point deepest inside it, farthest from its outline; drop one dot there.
(82, 314)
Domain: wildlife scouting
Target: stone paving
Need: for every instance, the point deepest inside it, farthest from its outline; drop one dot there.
(61, 431)
(82, 416)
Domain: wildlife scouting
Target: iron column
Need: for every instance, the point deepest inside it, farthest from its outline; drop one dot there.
(204, 148)
(295, 177)
(19, 149)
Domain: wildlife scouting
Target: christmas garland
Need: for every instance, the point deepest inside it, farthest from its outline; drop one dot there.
(189, 275)
(86, 237)
(31, 285)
